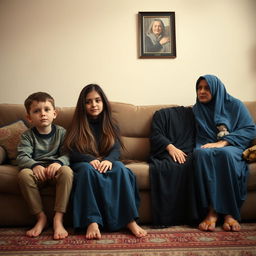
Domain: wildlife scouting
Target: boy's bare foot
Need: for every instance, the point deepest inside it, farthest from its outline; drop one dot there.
(230, 224)
(136, 229)
(39, 227)
(93, 231)
(209, 223)
(59, 231)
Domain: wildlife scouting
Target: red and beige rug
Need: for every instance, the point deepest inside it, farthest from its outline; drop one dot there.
(175, 241)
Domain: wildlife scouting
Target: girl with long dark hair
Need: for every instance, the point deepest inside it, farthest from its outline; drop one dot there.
(105, 192)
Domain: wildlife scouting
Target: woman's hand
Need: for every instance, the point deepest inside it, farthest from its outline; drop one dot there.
(176, 154)
(219, 144)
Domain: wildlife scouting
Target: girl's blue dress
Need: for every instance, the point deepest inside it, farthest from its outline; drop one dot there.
(110, 199)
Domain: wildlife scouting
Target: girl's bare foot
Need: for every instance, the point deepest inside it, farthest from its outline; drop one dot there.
(209, 223)
(93, 231)
(59, 231)
(136, 229)
(39, 227)
(230, 224)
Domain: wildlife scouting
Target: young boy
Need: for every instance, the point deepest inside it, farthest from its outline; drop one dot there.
(42, 163)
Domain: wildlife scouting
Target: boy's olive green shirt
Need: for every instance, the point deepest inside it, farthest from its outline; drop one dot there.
(41, 149)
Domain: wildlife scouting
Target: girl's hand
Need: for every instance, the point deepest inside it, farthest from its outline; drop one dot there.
(219, 144)
(95, 163)
(105, 166)
(176, 154)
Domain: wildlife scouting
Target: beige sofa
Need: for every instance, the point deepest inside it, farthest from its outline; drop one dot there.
(135, 123)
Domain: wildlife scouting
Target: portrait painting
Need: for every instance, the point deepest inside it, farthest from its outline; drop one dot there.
(157, 35)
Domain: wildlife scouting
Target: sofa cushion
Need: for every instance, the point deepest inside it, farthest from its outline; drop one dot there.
(141, 170)
(135, 148)
(9, 182)
(64, 116)
(10, 113)
(2, 155)
(252, 177)
(251, 107)
(10, 137)
(8, 179)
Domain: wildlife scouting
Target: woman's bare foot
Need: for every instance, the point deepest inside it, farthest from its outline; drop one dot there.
(209, 223)
(59, 231)
(39, 227)
(136, 229)
(93, 231)
(230, 224)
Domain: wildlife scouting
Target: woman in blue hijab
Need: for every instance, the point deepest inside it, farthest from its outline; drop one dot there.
(224, 130)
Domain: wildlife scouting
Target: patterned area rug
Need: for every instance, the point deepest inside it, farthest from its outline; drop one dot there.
(175, 241)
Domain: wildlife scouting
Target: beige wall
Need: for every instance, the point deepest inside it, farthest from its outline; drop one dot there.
(59, 46)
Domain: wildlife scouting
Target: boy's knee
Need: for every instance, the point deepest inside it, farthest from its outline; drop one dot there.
(25, 174)
(66, 171)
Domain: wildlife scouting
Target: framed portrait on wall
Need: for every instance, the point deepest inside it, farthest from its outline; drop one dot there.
(157, 35)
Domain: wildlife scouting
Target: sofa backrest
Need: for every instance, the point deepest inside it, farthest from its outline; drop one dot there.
(134, 122)
(135, 125)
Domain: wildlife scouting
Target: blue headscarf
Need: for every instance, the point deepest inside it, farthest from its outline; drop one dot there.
(222, 109)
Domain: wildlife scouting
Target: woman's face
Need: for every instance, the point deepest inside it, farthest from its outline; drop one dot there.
(203, 92)
(93, 104)
(157, 28)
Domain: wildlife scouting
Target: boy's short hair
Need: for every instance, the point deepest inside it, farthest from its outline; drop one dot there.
(39, 97)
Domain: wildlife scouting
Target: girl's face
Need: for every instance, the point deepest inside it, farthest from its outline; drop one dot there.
(203, 92)
(157, 28)
(93, 104)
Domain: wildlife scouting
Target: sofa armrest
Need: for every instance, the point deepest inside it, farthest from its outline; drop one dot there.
(2, 155)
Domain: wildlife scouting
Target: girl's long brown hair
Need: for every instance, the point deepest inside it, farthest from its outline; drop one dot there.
(79, 135)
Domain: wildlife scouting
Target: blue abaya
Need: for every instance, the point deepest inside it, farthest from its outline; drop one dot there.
(172, 183)
(110, 199)
(221, 173)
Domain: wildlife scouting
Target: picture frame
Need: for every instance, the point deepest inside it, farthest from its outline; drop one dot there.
(157, 35)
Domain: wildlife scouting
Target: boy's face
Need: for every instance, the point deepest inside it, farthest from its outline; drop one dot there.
(41, 114)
